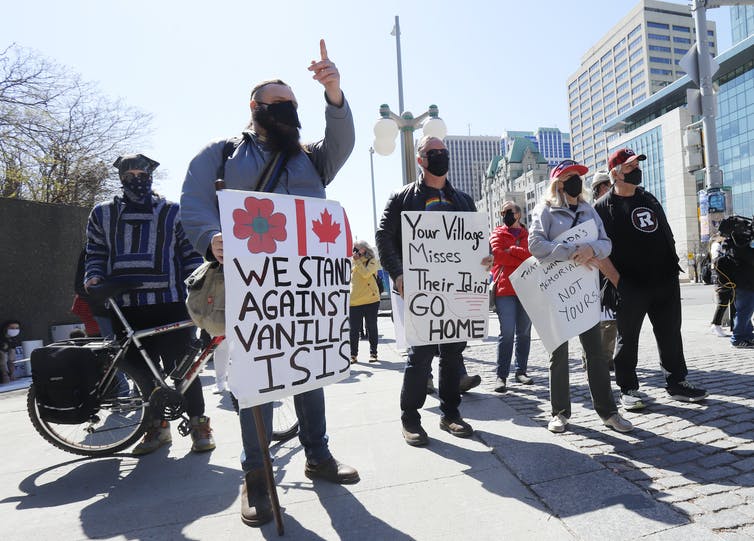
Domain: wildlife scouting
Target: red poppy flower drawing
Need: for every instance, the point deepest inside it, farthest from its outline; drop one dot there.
(258, 223)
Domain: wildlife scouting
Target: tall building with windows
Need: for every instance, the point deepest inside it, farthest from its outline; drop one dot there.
(636, 58)
(469, 158)
(655, 128)
(741, 22)
(554, 145)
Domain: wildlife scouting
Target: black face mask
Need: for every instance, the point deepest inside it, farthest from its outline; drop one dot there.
(634, 177)
(280, 136)
(283, 112)
(508, 218)
(438, 162)
(573, 186)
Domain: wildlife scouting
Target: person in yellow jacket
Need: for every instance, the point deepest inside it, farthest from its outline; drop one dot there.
(365, 298)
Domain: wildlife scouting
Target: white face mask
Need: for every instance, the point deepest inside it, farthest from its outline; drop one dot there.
(14, 332)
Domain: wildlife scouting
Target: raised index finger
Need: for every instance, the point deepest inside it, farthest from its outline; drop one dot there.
(322, 49)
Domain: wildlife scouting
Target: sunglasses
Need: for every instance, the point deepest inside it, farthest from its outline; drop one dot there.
(130, 177)
(437, 152)
(357, 251)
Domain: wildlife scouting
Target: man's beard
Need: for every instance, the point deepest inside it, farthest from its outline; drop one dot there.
(278, 137)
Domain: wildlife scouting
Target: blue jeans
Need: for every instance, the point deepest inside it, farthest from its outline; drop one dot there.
(513, 321)
(414, 390)
(744, 303)
(310, 410)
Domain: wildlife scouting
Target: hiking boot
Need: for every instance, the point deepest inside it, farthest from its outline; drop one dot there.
(256, 508)
(333, 471)
(718, 330)
(523, 379)
(632, 400)
(742, 344)
(469, 382)
(415, 436)
(557, 424)
(686, 392)
(201, 434)
(431, 387)
(500, 386)
(157, 435)
(616, 422)
(372, 357)
(456, 427)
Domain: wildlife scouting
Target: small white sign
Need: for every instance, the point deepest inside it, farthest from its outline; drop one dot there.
(562, 298)
(444, 281)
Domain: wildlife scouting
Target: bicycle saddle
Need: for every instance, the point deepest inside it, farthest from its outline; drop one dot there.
(110, 288)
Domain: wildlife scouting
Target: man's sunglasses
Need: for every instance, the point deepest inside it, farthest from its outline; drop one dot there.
(129, 177)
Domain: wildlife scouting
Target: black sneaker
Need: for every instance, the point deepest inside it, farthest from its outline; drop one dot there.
(742, 344)
(686, 392)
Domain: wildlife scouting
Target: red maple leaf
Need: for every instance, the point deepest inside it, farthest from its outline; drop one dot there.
(325, 229)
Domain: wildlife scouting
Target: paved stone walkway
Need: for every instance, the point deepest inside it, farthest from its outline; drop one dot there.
(698, 458)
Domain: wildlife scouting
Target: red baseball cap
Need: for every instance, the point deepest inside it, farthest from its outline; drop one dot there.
(624, 155)
(567, 166)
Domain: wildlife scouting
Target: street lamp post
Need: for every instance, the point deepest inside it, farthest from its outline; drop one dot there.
(388, 126)
(374, 200)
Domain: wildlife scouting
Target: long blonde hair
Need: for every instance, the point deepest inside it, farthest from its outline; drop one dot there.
(368, 251)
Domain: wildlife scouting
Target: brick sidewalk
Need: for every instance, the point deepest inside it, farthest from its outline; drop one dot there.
(698, 458)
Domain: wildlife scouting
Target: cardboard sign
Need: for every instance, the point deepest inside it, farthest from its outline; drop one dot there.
(287, 277)
(562, 298)
(444, 282)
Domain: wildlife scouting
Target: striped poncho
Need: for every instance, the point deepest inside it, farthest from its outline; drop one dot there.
(133, 242)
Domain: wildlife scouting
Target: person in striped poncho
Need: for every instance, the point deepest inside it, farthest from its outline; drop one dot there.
(138, 237)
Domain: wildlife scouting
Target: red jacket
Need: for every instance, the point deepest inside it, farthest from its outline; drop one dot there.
(509, 253)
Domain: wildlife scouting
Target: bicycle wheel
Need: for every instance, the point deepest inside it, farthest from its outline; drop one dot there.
(284, 419)
(120, 421)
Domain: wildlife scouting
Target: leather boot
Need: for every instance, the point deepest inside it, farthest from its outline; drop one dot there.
(256, 508)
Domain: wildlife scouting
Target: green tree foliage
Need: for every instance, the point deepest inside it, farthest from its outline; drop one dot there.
(58, 134)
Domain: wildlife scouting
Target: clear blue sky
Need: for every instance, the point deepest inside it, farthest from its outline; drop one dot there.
(489, 65)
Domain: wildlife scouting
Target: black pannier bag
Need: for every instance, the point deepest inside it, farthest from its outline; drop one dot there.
(65, 378)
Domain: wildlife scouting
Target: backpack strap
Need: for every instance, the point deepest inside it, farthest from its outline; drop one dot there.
(229, 148)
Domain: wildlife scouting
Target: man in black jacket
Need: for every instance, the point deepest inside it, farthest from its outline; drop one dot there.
(644, 267)
(431, 192)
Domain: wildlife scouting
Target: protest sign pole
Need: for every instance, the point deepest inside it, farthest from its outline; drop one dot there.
(264, 446)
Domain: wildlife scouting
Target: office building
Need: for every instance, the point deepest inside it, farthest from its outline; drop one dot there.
(655, 128)
(469, 158)
(741, 22)
(554, 145)
(634, 59)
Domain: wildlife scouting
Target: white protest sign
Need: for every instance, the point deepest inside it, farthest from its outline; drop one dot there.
(444, 282)
(287, 280)
(562, 298)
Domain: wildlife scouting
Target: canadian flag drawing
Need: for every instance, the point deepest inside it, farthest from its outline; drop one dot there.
(284, 225)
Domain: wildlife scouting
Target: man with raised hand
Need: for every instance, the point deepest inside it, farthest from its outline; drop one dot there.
(307, 170)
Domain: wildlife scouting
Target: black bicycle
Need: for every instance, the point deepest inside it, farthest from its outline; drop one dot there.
(87, 398)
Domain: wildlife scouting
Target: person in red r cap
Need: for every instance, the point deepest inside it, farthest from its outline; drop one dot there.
(564, 207)
(644, 267)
